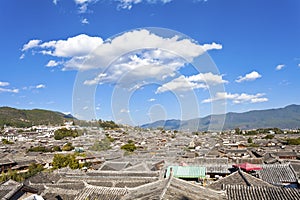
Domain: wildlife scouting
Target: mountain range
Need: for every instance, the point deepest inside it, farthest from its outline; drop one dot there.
(284, 118)
(26, 118)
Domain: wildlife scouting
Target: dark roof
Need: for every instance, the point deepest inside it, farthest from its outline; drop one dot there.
(238, 178)
(175, 189)
(241, 192)
(278, 174)
(115, 166)
(103, 193)
(180, 189)
(8, 189)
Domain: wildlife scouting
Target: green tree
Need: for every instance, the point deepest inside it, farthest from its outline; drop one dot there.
(268, 137)
(5, 141)
(250, 140)
(130, 147)
(68, 147)
(63, 132)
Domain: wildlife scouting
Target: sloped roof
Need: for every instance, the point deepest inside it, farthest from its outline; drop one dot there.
(241, 192)
(278, 174)
(238, 178)
(8, 189)
(105, 193)
(180, 189)
(115, 166)
(186, 171)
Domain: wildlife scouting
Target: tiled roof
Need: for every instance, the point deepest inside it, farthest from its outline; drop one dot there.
(278, 174)
(238, 178)
(241, 192)
(103, 193)
(186, 171)
(180, 189)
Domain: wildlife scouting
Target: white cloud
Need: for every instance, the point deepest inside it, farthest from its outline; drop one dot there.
(127, 4)
(299, 65)
(9, 90)
(52, 63)
(248, 77)
(83, 5)
(78, 46)
(31, 44)
(22, 56)
(40, 86)
(2, 84)
(123, 110)
(280, 67)
(85, 21)
(151, 100)
(238, 98)
(182, 83)
(151, 57)
(55, 2)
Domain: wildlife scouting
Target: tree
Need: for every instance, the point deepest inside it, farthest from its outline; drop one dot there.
(250, 140)
(237, 130)
(68, 147)
(268, 137)
(60, 161)
(63, 132)
(5, 141)
(130, 147)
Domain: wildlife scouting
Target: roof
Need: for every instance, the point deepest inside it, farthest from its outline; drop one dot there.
(8, 189)
(115, 166)
(238, 178)
(96, 192)
(175, 189)
(180, 189)
(278, 174)
(247, 166)
(240, 192)
(186, 171)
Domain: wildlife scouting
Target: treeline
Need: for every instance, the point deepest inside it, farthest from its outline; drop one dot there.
(264, 131)
(67, 147)
(108, 124)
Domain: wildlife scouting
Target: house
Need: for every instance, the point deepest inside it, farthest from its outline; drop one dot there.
(279, 175)
(12, 190)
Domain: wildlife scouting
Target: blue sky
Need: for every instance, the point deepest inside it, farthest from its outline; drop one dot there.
(98, 59)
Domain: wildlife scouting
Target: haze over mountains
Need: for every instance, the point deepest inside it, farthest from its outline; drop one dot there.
(284, 118)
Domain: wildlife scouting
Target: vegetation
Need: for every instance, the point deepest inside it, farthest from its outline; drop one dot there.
(269, 137)
(68, 147)
(101, 145)
(26, 118)
(39, 149)
(60, 161)
(5, 141)
(293, 141)
(63, 132)
(250, 140)
(12, 174)
(108, 124)
(129, 147)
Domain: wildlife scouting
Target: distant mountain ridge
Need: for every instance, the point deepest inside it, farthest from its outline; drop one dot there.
(24, 118)
(284, 118)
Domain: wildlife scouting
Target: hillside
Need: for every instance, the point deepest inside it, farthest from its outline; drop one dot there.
(284, 118)
(25, 118)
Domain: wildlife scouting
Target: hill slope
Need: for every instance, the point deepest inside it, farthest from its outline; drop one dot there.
(25, 118)
(284, 118)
